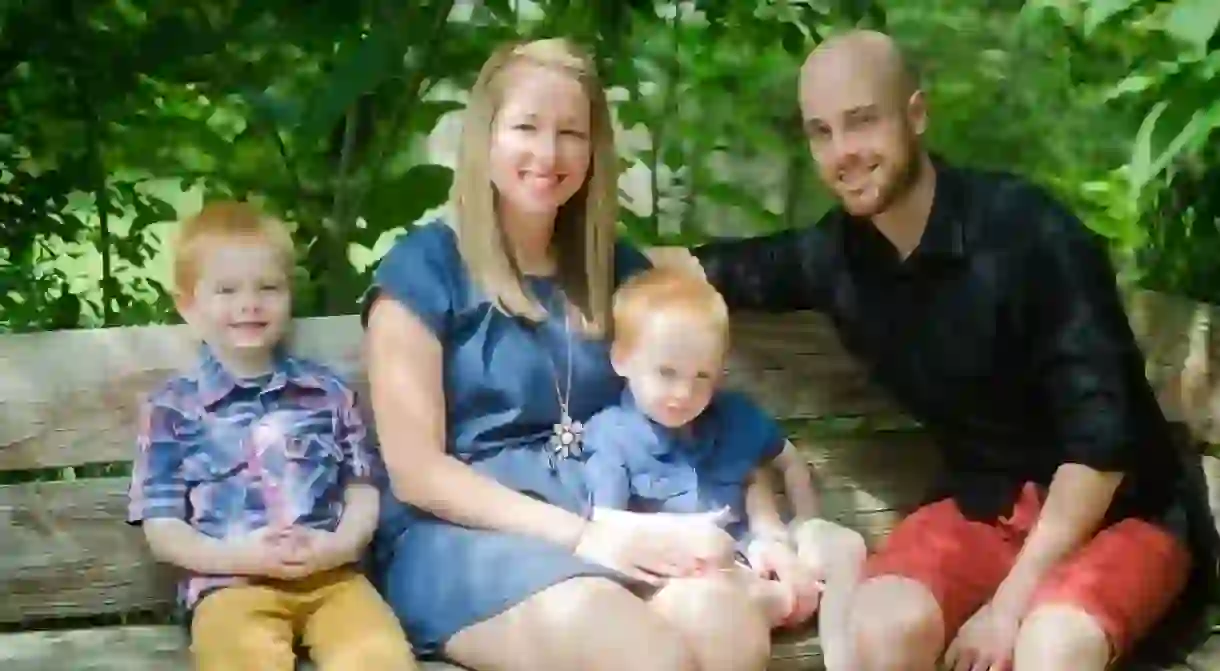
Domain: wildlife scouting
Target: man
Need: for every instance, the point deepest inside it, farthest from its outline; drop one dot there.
(1065, 524)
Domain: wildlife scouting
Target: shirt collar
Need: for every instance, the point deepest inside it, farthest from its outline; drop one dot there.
(690, 438)
(944, 237)
(216, 382)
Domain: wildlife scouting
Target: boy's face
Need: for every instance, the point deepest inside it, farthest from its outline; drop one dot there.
(673, 368)
(242, 303)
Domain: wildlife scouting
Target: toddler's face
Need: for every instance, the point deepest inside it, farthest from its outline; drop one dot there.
(673, 368)
(242, 302)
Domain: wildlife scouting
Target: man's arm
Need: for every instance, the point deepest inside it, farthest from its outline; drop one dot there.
(1080, 339)
(781, 272)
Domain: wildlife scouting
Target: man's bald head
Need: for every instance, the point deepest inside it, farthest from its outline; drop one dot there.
(865, 55)
(864, 115)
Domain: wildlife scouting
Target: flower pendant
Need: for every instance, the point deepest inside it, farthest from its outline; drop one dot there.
(566, 441)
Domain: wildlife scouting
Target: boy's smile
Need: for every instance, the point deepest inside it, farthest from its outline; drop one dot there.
(241, 304)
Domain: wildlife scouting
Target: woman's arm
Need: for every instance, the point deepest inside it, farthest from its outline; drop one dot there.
(405, 378)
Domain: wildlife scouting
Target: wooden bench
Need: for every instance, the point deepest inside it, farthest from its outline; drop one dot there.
(80, 591)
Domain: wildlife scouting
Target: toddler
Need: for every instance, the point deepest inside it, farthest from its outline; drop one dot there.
(677, 444)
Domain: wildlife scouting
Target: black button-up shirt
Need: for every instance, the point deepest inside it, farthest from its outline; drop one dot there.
(1003, 333)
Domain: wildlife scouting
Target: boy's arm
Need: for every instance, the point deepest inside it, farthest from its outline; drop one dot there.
(157, 501)
(762, 511)
(361, 504)
(176, 542)
(605, 468)
(798, 483)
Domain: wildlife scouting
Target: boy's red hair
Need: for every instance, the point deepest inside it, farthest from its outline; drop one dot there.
(667, 290)
(225, 220)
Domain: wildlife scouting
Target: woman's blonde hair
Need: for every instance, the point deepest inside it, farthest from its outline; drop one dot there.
(584, 227)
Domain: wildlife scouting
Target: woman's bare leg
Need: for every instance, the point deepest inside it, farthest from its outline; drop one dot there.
(721, 623)
(583, 623)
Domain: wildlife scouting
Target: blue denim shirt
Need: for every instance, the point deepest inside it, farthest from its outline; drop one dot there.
(229, 456)
(634, 463)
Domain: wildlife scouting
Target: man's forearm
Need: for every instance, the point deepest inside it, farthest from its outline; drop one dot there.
(1075, 507)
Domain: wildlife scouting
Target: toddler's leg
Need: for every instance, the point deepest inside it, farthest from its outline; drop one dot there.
(775, 600)
(837, 555)
(353, 629)
(242, 628)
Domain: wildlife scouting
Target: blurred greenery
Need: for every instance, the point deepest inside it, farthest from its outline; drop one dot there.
(119, 116)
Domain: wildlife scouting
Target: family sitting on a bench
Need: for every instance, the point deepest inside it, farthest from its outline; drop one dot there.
(558, 480)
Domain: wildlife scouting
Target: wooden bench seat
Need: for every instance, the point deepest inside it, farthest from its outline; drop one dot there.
(68, 403)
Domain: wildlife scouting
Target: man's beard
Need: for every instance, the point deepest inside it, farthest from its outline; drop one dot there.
(897, 188)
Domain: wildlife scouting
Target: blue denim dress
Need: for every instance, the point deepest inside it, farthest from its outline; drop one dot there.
(501, 405)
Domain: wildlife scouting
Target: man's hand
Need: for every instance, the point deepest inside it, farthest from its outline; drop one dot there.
(776, 560)
(985, 642)
(673, 256)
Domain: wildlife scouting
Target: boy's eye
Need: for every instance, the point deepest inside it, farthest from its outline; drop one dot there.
(270, 287)
(225, 290)
(667, 372)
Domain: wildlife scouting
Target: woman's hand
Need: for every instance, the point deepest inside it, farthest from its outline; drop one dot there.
(653, 548)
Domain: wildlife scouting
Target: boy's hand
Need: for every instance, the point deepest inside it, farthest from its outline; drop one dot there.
(773, 559)
(304, 551)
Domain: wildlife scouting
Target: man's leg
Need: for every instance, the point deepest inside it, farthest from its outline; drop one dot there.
(1096, 605)
(935, 569)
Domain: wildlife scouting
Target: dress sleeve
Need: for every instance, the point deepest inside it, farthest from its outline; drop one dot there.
(419, 272)
(1081, 342)
(786, 271)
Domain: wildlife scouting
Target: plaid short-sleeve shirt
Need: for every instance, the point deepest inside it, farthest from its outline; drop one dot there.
(229, 456)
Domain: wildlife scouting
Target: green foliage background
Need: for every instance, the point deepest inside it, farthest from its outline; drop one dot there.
(118, 116)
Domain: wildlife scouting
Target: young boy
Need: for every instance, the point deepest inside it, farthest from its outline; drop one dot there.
(678, 445)
(253, 472)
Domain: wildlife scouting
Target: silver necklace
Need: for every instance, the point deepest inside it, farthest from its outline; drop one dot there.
(566, 435)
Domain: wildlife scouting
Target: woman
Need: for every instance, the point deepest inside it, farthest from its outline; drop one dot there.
(486, 347)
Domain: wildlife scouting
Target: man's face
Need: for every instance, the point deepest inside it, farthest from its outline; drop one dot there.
(863, 134)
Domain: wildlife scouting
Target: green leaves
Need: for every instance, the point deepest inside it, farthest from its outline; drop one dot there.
(1194, 22)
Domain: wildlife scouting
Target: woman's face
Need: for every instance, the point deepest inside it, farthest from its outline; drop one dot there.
(540, 144)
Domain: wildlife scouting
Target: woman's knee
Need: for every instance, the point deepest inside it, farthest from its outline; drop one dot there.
(891, 613)
(1057, 636)
(724, 627)
(585, 623)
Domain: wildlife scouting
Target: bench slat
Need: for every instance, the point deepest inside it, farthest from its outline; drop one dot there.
(137, 648)
(67, 553)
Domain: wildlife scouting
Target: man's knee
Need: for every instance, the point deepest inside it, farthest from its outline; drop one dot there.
(1060, 636)
(896, 614)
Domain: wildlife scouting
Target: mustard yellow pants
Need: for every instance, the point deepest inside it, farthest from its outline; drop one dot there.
(337, 616)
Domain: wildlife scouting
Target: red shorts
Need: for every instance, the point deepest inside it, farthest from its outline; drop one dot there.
(1126, 578)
